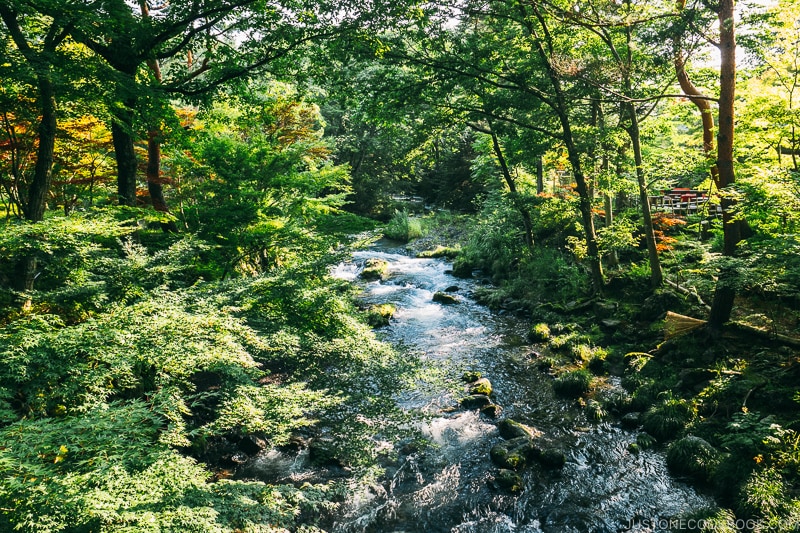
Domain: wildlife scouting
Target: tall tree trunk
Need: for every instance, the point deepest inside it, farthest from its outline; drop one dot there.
(539, 175)
(512, 187)
(124, 153)
(153, 173)
(725, 292)
(43, 171)
(656, 274)
(702, 103)
(559, 105)
(33, 207)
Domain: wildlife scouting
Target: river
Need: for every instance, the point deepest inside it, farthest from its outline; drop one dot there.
(603, 486)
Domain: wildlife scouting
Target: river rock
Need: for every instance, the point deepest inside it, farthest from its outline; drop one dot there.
(481, 386)
(452, 288)
(444, 298)
(252, 444)
(514, 453)
(630, 420)
(492, 410)
(552, 458)
(605, 309)
(323, 451)
(511, 429)
(375, 269)
(475, 401)
(508, 480)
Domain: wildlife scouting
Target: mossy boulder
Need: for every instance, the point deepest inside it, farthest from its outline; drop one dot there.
(630, 420)
(552, 458)
(492, 410)
(445, 298)
(475, 401)
(379, 316)
(514, 454)
(693, 457)
(539, 332)
(511, 429)
(508, 480)
(481, 386)
(448, 252)
(471, 376)
(375, 269)
(462, 269)
(595, 411)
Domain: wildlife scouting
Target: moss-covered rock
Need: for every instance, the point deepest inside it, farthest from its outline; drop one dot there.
(539, 332)
(481, 386)
(514, 454)
(471, 376)
(631, 420)
(448, 252)
(375, 269)
(445, 298)
(492, 410)
(475, 401)
(511, 429)
(668, 418)
(595, 411)
(379, 316)
(573, 384)
(552, 458)
(508, 480)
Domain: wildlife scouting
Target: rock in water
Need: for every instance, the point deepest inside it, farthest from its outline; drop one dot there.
(444, 298)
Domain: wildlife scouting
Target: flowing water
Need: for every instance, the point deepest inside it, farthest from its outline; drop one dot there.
(448, 488)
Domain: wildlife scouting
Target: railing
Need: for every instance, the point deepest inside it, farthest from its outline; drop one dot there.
(682, 201)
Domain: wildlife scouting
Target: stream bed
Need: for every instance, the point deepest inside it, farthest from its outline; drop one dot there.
(603, 487)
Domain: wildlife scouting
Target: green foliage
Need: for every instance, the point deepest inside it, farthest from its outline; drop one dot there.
(693, 457)
(405, 227)
(573, 383)
(539, 332)
(749, 434)
(668, 418)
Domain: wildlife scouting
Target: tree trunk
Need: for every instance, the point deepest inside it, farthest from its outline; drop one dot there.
(512, 187)
(153, 173)
(124, 153)
(725, 292)
(539, 176)
(699, 100)
(43, 171)
(587, 217)
(656, 274)
(559, 105)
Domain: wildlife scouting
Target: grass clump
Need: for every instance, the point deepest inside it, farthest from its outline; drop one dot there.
(405, 227)
(669, 418)
(693, 457)
(573, 384)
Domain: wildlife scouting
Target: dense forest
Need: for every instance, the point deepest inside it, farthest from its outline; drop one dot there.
(178, 179)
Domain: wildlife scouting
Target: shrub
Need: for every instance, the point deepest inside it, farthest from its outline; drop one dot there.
(762, 495)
